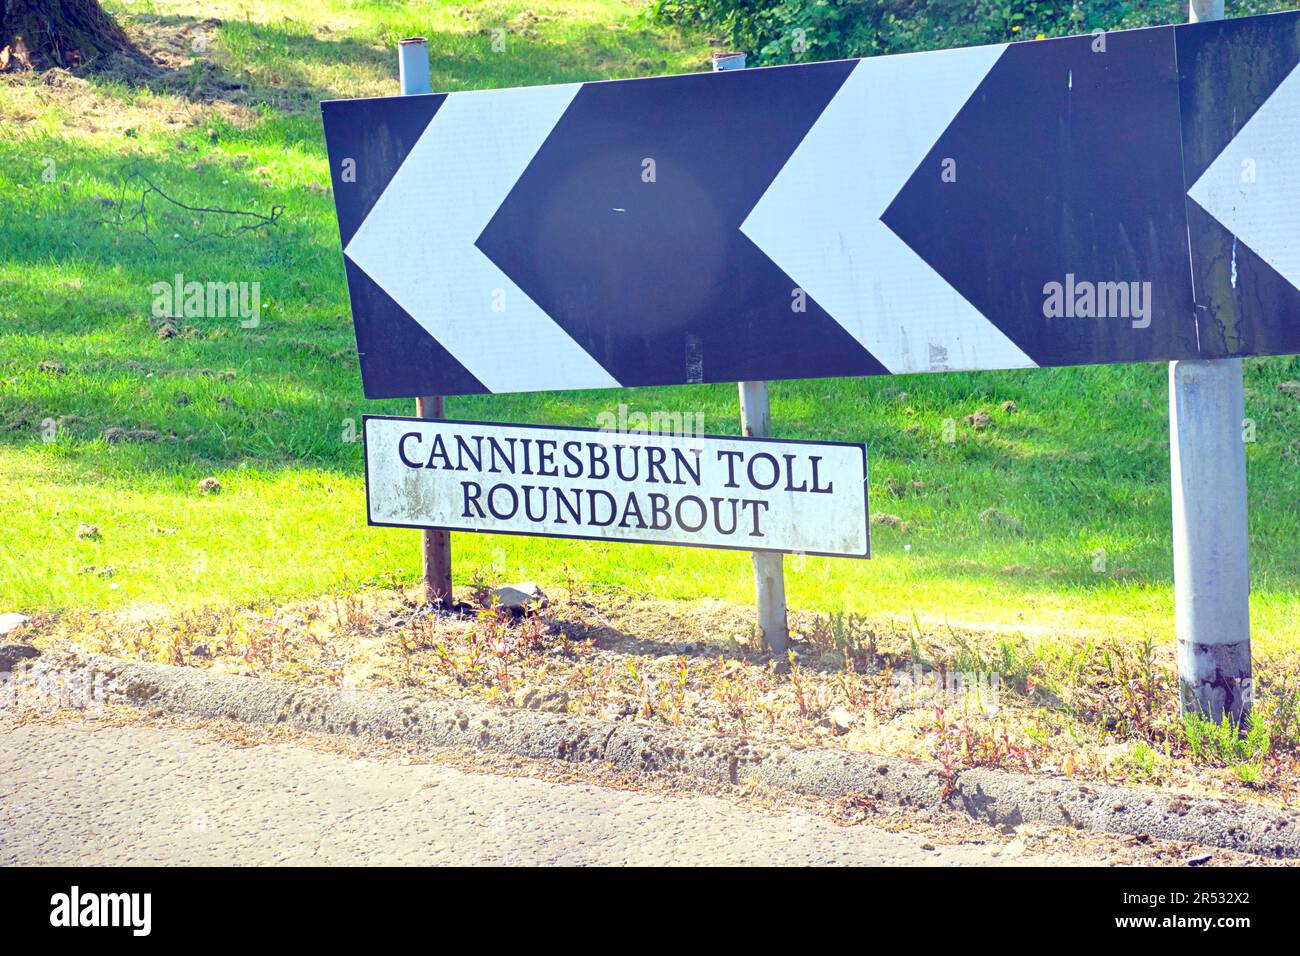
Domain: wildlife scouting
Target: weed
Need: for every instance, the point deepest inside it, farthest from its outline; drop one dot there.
(480, 587)
(575, 591)
(1142, 761)
(796, 681)
(975, 742)
(848, 634)
(1141, 693)
(1282, 711)
(1224, 743)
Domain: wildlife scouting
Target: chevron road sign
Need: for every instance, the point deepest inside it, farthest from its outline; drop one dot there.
(1119, 197)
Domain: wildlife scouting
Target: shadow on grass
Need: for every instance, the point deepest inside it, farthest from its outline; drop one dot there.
(175, 67)
(265, 64)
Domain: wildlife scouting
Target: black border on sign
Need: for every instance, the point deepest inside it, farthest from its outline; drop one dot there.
(866, 498)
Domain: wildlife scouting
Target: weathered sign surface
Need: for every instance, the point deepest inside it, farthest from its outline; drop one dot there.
(745, 493)
(1109, 198)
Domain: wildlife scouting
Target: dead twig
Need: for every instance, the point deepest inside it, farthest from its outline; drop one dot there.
(244, 220)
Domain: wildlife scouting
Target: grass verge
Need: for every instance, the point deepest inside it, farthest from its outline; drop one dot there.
(1051, 518)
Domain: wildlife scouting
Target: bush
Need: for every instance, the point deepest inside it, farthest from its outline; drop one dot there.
(794, 31)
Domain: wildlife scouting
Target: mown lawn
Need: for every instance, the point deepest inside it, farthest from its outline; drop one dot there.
(1074, 464)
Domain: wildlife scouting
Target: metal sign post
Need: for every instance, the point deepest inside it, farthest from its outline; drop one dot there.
(769, 566)
(1207, 459)
(756, 422)
(435, 546)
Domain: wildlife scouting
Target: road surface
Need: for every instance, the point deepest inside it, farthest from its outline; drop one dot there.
(77, 794)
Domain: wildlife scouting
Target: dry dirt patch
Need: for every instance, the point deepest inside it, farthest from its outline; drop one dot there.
(168, 86)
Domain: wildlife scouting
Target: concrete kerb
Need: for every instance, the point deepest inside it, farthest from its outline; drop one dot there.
(997, 797)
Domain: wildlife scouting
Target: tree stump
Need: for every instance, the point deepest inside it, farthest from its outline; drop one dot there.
(39, 34)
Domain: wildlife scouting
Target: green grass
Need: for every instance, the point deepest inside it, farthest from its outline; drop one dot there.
(1082, 464)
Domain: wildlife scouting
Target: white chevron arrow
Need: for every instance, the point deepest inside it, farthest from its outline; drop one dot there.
(820, 219)
(1253, 186)
(417, 242)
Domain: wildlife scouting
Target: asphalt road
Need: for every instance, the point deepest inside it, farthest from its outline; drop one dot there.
(75, 794)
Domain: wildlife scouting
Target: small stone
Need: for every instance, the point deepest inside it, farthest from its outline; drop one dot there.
(840, 719)
(519, 597)
(12, 654)
(554, 702)
(12, 621)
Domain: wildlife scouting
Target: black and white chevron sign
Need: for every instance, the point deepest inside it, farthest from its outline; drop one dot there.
(1117, 197)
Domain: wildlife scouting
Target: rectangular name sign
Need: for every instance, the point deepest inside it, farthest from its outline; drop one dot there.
(751, 494)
